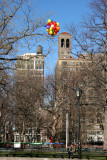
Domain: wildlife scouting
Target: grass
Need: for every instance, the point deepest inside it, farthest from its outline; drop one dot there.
(20, 153)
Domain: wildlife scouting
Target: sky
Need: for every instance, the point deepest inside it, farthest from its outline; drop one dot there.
(65, 12)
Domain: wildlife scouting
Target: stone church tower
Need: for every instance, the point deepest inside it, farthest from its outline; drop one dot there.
(64, 54)
(64, 45)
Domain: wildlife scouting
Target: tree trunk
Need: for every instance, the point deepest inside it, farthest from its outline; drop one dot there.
(105, 74)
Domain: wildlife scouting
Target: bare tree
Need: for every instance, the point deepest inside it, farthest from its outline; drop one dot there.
(20, 27)
(92, 39)
(61, 99)
(6, 107)
(29, 95)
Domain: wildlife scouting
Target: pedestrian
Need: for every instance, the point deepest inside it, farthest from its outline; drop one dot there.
(69, 153)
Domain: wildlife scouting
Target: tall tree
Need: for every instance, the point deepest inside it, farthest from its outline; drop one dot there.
(21, 26)
(92, 39)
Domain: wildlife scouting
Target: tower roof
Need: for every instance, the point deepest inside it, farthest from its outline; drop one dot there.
(65, 33)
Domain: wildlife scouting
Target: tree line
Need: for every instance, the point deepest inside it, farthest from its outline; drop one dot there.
(28, 104)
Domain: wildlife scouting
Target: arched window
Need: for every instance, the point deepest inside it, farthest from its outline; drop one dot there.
(62, 42)
(67, 43)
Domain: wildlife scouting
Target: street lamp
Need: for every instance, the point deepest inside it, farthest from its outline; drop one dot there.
(78, 94)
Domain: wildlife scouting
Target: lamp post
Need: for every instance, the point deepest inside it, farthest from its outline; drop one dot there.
(67, 135)
(78, 92)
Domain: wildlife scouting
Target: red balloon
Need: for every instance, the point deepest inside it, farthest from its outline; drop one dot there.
(54, 23)
(48, 24)
(54, 28)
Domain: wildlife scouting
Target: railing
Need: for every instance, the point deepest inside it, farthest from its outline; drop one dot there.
(37, 149)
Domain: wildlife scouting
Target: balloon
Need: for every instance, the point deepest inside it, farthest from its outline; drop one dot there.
(55, 33)
(51, 32)
(49, 20)
(58, 28)
(48, 24)
(48, 27)
(52, 27)
(57, 24)
(54, 23)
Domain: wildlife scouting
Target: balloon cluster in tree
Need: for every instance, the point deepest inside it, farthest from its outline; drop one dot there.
(52, 27)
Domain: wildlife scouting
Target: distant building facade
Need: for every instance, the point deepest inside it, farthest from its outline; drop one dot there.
(32, 64)
(30, 67)
(67, 66)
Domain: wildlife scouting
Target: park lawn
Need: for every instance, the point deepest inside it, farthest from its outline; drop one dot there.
(47, 154)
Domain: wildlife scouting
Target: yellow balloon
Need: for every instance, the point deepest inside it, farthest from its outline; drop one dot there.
(57, 24)
(51, 28)
(47, 30)
(51, 32)
(49, 20)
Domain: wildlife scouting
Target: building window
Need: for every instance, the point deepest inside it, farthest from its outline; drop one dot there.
(76, 68)
(92, 133)
(36, 67)
(82, 68)
(37, 61)
(90, 69)
(80, 63)
(70, 63)
(73, 69)
(76, 63)
(31, 67)
(70, 69)
(98, 121)
(64, 63)
(31, 61)
(64, 69)
(28, 67)
(67, 43)
(99, 133)
(40, 62)
(62, 43)
(39, 67)
(89, 64)
(73, 63)
(64, 80)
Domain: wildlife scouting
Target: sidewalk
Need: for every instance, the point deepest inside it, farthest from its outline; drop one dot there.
(27, 158)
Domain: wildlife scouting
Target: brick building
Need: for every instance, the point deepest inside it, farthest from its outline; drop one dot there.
(29, 97)
(67, 67)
